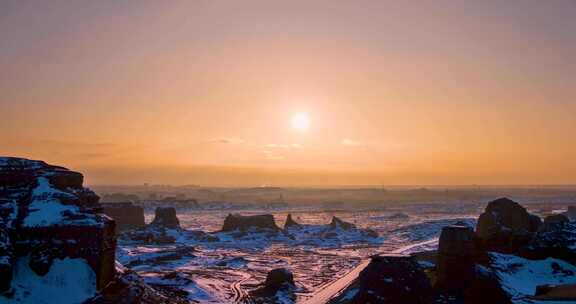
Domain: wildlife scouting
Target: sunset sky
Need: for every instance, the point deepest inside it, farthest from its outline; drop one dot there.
(268, 92)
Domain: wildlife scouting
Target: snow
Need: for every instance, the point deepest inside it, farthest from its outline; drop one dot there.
(69, 281)
(47, 210)
(519, 276)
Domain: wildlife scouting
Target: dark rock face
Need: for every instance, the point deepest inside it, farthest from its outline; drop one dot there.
(243, 223)
(290, 223)
(505, 226)
(166, 217)
(45, 210)
(127, 215)
(393, 279)
(338, 223)
(279, 284)
(456, 267)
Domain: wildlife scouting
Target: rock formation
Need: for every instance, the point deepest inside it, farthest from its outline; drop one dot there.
(338, 223)
(456, 265)
(162, 230)
(393, 279)
(279, 286)
(46, 215)
(505, 226)
(166, 217)
(127, 215)
(244, 223)
(290, 223)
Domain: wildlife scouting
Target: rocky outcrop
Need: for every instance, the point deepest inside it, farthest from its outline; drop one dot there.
(46, 214)
(505, 226)
(166, 217)
(290, 223)
(278, 287)
(456, 251)
(393, 279)
(164, 229)
(244, 223)
(126, 214)
(338, 223)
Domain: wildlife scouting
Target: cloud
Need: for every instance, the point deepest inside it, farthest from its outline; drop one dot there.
(283, 146)
(230, 141)
(350, 143)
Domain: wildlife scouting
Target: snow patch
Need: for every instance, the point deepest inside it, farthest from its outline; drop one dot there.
(69, 281)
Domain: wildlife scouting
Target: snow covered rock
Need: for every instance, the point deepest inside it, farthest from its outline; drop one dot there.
(505, 226)
(456, 251)
(126, 214)
(244, 223)
(51, 217)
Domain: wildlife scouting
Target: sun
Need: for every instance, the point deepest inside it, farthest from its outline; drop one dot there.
(300, 121)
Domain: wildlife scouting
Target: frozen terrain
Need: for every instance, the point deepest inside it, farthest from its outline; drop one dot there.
(224, 271)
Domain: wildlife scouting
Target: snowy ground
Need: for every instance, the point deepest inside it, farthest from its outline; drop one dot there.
(223, 271)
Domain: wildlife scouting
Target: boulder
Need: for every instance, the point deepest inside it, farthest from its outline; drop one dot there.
(166, 217)
(126, 214)
(505, 226)
(49, 214)
(290, 223)
(456, 250)
(279, 278)
(393, 279)
(244, 223)
(338, 223)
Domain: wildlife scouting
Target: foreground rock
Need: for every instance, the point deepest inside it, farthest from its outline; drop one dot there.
(250, 222)
(49, 223)
(554, 221)
(278, 287)
(393, 279)
(127, 215)
(505, 226)
(456, 253)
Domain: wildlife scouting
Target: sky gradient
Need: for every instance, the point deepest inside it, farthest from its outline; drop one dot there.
(203, 92)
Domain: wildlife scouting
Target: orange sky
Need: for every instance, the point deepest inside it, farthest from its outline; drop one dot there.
(183, 92)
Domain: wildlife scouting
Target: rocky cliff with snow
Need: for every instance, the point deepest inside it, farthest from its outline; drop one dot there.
(51, 232)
